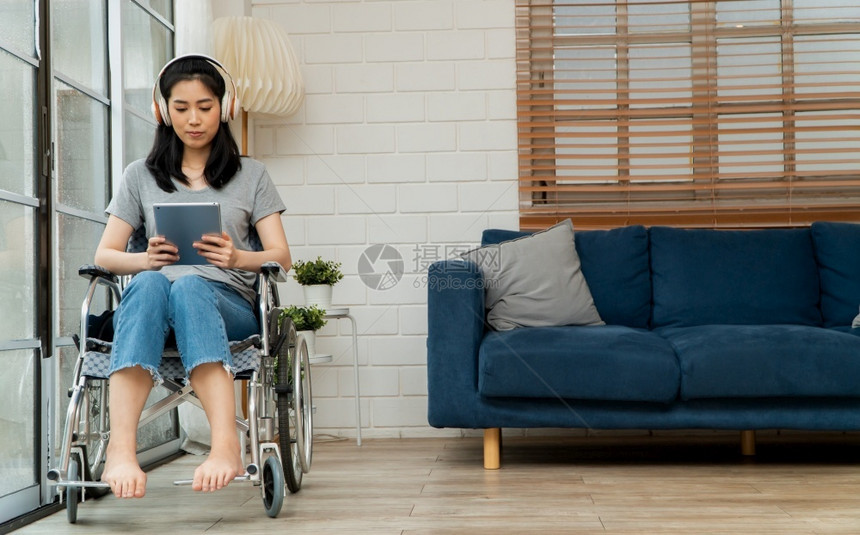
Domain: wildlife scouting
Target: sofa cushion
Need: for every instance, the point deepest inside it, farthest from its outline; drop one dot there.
(610, 362)
(750, 277)
(846, 329)
(761, 361)
(837, 250)
(535, 281)
(615, 264)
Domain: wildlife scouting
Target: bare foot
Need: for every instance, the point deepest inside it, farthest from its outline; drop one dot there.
(218, 470)
(124, 475)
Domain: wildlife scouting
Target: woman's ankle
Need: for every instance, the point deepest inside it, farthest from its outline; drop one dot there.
(120, 451)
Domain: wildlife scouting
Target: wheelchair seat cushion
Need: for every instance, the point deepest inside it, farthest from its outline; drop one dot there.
(246, 358)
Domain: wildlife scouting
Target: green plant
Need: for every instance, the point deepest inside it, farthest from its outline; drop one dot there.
(310, 318)
(317, 271)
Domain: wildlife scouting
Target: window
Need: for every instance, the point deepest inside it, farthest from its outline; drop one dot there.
(689, 113)
(72, 125)
(147, 43)
(22, 328)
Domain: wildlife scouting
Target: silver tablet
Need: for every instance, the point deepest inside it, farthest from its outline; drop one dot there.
(185, 223)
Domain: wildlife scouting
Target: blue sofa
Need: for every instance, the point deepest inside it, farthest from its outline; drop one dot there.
(742, 330)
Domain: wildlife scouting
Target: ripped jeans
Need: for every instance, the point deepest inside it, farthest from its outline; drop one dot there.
(205, 316)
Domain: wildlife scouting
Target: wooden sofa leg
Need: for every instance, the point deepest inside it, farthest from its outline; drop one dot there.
(748, 442)
(492, 448)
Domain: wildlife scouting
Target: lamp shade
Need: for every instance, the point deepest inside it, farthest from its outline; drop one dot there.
(259, 57)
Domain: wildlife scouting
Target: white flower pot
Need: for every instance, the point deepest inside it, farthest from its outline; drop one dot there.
(310, 340)
(318, 294)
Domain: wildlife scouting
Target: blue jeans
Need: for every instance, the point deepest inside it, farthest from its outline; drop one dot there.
(204, 316)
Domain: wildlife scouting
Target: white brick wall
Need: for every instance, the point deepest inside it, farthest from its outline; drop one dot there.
(407, 137)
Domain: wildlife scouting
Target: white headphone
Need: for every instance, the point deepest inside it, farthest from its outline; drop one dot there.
(229, 101)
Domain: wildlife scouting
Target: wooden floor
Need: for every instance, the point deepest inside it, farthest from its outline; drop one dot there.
(646, 485)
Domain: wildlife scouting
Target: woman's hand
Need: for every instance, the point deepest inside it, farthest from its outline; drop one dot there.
(218, 250)
(160, 253)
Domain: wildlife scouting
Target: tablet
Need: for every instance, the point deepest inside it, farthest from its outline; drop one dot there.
(185, 223)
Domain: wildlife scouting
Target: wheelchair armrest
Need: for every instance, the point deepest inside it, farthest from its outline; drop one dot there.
(274, 271)
(91, 270)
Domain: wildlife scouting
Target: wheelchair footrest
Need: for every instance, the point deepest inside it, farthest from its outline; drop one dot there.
(244, 477)
(250, 471)
(88, 484)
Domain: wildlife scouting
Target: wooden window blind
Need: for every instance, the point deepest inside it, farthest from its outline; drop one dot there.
(721, 114)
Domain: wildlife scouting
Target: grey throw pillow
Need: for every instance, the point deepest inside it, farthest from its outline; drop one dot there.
(535, 281)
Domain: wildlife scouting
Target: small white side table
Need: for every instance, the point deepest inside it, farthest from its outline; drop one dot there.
(338, 313)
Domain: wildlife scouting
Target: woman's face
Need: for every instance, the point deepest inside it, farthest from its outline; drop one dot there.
(195, 113)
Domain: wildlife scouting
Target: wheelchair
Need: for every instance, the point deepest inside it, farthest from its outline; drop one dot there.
(274, 363)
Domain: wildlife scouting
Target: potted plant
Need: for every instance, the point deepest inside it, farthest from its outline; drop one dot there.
(307, 319)
(317, 278)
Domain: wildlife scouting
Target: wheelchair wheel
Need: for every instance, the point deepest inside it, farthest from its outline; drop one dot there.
(302, 407)
(273, 486)
(287, 428)
(73, 493)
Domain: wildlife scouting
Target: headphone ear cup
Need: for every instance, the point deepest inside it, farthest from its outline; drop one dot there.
(234, 103)
(159, 109)
(229, 106)
(225, 107)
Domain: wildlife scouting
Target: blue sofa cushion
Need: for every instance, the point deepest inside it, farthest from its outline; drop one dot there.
(846, 329)
(609, 362)
(837, 250)
(616, 268)
(761, 361)
(749, 277)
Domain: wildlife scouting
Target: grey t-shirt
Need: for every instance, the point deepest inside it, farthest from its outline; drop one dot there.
(247, 198)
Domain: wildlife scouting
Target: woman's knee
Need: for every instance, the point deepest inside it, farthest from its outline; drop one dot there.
(191, 292)
(149, 281)
(147, 292)
(188, 285)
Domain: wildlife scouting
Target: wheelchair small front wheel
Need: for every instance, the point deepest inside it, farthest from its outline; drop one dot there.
(72, 493)
(273, 486)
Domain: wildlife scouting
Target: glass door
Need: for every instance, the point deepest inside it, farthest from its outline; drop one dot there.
(80, 104)
(20, 236)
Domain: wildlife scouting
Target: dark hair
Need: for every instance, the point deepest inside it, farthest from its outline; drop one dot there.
(165, 158)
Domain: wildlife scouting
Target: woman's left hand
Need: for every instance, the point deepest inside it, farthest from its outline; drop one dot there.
(218, 250)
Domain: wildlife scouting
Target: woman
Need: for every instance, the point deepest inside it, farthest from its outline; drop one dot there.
(194, 159)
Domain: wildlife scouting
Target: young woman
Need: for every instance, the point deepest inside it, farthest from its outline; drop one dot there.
(194, 159)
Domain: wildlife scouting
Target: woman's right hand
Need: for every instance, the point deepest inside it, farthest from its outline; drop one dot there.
(160, 253)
